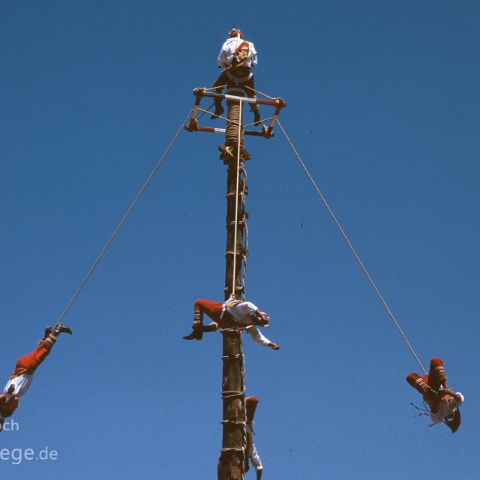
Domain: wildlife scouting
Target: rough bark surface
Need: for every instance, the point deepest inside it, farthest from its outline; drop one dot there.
(231, 465)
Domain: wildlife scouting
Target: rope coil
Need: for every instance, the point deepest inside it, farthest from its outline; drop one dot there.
(234, 280)
(231, 331)
(232, 450)
(232, 394)
(233, 422)
(232, 357)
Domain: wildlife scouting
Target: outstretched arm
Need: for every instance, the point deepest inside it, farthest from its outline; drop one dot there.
(261, 339)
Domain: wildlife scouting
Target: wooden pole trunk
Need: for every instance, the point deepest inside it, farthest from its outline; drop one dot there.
(231, 465)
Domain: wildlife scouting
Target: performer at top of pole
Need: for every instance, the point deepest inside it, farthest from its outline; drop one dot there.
(237, 58)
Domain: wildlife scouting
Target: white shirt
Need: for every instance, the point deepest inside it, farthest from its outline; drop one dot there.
(242, 315)
(446, 407)
(21, 382)
(227, 53)
(241, 312)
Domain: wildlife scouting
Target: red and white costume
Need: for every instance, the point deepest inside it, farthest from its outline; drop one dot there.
(443, 403)
(232, 314)
(236, 51)
(237, 58)
(22, 377)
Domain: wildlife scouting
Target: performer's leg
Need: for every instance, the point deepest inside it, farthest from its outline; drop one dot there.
(201, 307)
(418, 383)
(217, 88)
(421, 385)
(198, 315)
(250, 83)
(250, 89)
(29, 363)
(437, 376)
(220, 82)
(212, 309)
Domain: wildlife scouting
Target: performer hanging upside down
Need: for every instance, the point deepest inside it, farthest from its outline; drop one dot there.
(233, 313)
(237, 58)
(252, 455)
(443, 402)
(20, 380)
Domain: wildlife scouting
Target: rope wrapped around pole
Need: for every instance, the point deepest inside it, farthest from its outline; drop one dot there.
(231, 464)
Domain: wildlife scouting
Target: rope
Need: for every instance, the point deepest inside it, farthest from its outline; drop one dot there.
(205, 111)
(232, 357)
(263, 120)
(261, 93)
(245, 229)
(352, 249)
(230, 331)
(218, 116)
(122, 221)
(233, 422)
(234, 280)
(215, 88)
(228, 395)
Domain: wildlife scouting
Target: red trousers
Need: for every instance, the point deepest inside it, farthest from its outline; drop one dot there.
(434, 379)
(29, 363)
(212, 309)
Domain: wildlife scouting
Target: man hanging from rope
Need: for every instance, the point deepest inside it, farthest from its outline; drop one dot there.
(443, 402)
(20, 380)
(237, 58)
(232, 313)
(252, 455)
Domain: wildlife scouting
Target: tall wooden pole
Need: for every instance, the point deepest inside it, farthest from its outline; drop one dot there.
(231, 465)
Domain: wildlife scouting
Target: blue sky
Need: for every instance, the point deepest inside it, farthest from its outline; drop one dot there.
(383, 104)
